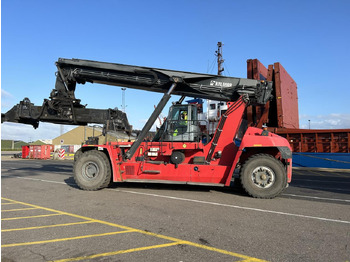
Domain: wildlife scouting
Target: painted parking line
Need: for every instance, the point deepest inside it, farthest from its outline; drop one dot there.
(324, 188)
(342, 174)
(308, 173)
(237, 207)
(15, 218)
(323, 181)
(219, 204)
(18, 209)
(65, 239)
(328, 174)
(321, 173)
(120, 252)
(174, 241)
(318, 198)
(47, 226)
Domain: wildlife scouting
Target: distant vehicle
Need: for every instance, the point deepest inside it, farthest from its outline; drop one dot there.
(18, 155)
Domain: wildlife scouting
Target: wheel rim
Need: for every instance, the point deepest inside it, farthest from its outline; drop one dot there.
(90, 170)
(263, 177)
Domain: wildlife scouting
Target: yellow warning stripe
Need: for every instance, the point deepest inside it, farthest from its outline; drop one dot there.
(119, 252)
(19, 209)
(47, 226)
(65, 239)
(175, 241)
(14, 218)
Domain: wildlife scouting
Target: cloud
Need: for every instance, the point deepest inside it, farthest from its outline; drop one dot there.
(5, 94)
(6, 99)
(142, 122)
(330, 121)
(15, 131)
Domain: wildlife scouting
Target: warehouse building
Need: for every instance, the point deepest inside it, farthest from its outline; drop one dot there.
(80, 134)
(72, 140)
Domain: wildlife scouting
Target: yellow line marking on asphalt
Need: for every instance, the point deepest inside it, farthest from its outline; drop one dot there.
(19, 209)
(119, 252)
(248, 260)
(48, 226)
(329, 174)
(222, 251)
(14, 218)
(8, 203)
(307, 172)
(65, 239)
(317, 173)
(342, 175)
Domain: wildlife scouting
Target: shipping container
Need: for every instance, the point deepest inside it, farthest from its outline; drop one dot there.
(36, 151)
(282, 115)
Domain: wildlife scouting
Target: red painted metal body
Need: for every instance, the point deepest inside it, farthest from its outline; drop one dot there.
(152, 159)
(254, 140)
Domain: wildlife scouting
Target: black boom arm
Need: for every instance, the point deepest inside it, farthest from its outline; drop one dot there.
(63, 108)
(205, 86)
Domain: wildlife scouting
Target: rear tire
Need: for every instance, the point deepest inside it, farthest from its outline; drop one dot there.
(92, 170)
(263, 176)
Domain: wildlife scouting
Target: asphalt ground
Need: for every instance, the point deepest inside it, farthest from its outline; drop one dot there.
(45, 217)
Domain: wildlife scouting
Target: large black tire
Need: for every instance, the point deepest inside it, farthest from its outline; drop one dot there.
(92, 170)
(263, 176)
(78, 154)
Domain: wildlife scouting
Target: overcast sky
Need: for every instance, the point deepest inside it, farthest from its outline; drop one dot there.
(309, 38)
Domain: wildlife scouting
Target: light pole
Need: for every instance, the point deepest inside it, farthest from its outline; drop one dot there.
(309, 123)
(123, 99)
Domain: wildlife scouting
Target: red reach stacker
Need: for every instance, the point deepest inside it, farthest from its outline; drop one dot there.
(181, 151)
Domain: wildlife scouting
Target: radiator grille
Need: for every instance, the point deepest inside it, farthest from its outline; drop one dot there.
(129, 170)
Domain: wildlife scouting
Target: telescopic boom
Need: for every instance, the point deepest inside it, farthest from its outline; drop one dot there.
(64, 108)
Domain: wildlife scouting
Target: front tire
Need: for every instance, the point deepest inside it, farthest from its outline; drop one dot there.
(78, 154)
(92, 170)
(263, 176)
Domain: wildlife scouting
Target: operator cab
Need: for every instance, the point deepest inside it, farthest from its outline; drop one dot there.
(182, 124)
